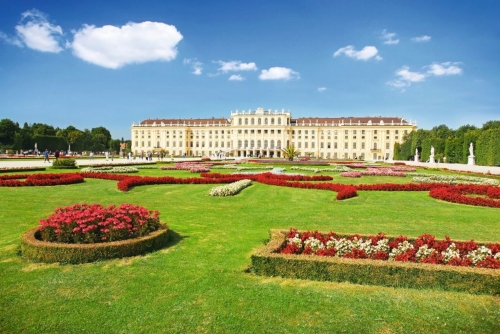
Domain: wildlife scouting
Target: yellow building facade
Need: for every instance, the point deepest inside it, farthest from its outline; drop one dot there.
(263, 133)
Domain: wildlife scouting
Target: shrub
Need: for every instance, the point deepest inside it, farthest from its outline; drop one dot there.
(64, 163)
(34, 249)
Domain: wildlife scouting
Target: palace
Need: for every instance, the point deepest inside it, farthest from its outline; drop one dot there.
(264, 133)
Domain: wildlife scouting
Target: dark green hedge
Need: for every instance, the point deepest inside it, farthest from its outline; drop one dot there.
(33, 249)
(266, 261)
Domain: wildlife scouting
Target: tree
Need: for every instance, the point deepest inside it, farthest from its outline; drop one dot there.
(290, 152)
(101, 131)
(43, 129)
(8, 130)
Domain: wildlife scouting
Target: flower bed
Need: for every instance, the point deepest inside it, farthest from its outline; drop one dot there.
(110, 169)
(452, 179)
(398, 273)
(20, 169)
(73, 234)
(84, 223)
(39, 179)
(337, 169)
(230, 189)
(424, 249)
(458, 194)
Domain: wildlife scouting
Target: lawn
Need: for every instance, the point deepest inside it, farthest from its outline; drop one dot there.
(202, 282)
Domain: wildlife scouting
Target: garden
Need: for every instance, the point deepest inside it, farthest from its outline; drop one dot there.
(218, 214)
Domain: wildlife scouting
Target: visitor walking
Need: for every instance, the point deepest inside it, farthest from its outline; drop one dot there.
(46, 156)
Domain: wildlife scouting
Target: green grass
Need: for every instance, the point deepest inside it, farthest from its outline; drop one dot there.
(201, 283)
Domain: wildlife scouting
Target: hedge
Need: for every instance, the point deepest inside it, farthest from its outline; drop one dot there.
(33, 249)
(266, 261)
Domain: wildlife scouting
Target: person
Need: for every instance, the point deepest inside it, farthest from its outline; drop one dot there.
(56, 154)
(46, 156)
(106, 154)
(91, 155)
(112, 155)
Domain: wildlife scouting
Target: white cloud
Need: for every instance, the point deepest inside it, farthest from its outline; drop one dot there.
(421, 39)
(447, 68)
(321, 89)
(195, 65)
(11, 40)
(235, 66)
(236, 77)
(407, 77)
(114, 47)
(278, 73)
(35, 31)
(388, 37)
(366, 53)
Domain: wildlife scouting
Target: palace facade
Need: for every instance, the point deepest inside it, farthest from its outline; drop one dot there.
(264, 133)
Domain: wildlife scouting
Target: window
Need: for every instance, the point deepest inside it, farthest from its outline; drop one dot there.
(346, 145)
(387, 145)
(259, 121)
(335, 145)
(353, 146)
(346, 131)
(272, 120)
(362, 146)
(252, 122)
(240, 121)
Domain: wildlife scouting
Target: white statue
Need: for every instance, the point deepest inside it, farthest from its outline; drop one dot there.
(471, 150)
(416, 151)
(432, 150)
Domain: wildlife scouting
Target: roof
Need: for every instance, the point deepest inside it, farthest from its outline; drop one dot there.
(186, 121)
(350, 120)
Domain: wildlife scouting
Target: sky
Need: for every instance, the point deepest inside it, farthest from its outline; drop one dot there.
(108, 63)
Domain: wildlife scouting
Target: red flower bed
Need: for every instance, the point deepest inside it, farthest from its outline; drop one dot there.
(40, 179)
(83, 223)
(424, 249)
(458, 194)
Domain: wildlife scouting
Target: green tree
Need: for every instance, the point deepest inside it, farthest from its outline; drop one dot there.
(290, 152)
(101, 131)
(8, 130)
(41, 129)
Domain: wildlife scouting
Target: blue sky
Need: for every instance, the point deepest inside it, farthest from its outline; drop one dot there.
(105, 63)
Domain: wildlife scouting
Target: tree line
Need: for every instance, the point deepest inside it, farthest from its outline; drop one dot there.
(452, 146)
(16, 138)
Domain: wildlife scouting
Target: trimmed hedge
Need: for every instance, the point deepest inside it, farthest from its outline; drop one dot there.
(33, 249)
(266, 261)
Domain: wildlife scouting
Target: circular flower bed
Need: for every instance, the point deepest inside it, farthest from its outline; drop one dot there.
(39, 179)
(84, 233)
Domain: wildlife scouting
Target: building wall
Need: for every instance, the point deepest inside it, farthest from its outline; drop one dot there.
(265, 133)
